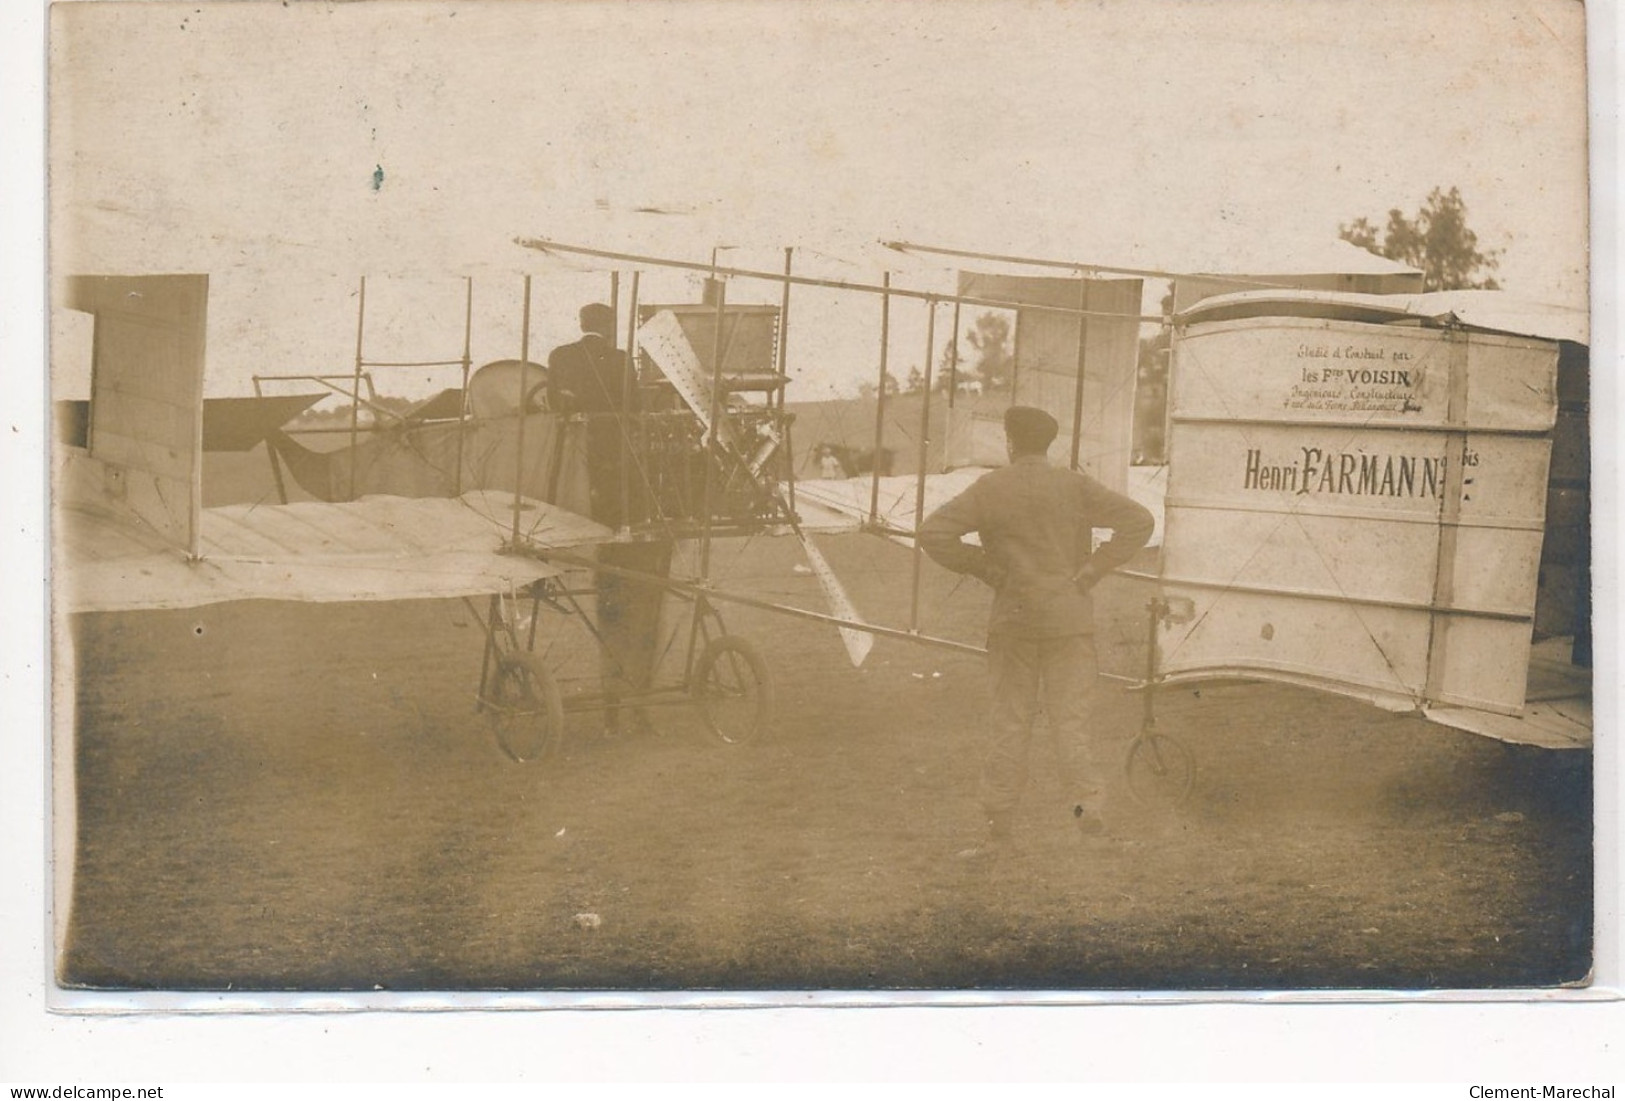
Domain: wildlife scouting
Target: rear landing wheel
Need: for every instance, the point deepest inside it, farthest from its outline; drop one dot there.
(734, 690)
(526, 708)
(1160, 771)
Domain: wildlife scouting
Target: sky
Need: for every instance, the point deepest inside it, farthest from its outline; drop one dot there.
(289, 149)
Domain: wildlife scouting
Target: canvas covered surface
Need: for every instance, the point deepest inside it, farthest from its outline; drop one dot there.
(377, 548)
(1358, 507)
(1056, 352)
(146, 424)
(841, 504)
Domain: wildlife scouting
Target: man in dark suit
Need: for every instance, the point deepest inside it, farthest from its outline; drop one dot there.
(594, 378)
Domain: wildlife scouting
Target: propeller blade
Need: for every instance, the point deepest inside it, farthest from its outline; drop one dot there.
(858, 643)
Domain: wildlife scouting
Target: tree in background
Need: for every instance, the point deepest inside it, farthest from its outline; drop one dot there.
(1151, 391)
(1437, 242)
(866, 390)
(991, 339)
(950, 368)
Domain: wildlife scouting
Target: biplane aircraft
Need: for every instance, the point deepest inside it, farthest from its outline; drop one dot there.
(482, 492)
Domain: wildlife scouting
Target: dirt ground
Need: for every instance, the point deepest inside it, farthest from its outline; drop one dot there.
(281, 796)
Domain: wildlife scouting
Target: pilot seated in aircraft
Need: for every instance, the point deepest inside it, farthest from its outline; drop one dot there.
(1036, 525)
(593, 377)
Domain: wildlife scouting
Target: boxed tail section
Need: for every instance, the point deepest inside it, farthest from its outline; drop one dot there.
(144, 436)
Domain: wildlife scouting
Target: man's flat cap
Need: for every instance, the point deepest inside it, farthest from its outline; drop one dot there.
(1030, 429)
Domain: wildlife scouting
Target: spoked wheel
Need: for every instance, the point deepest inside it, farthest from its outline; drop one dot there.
(734, 690)
(1160, 770)
(526, 709)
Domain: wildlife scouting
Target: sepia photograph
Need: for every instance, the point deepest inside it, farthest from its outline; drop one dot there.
(716, 499)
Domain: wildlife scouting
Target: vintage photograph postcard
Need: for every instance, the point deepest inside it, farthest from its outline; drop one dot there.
(622, 499)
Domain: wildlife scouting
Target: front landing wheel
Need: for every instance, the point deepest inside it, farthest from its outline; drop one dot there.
(734, 690)
(1160, 770)
(526, 708)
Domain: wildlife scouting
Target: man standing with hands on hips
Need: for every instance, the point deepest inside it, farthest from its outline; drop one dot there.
(1036, 525)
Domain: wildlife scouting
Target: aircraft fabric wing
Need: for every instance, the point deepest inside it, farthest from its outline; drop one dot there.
(834, 505)
(375, 548)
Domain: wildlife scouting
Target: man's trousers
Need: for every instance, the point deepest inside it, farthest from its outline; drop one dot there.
(1057, 674)
(629, 617)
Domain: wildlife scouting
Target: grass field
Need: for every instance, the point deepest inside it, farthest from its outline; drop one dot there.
(279, 796)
